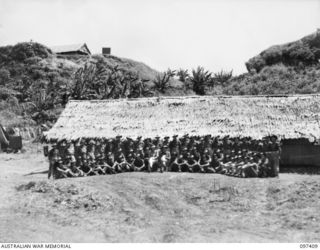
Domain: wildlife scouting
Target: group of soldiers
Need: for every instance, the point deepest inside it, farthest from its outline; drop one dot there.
(240, 157)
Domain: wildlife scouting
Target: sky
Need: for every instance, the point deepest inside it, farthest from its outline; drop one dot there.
(215, 34)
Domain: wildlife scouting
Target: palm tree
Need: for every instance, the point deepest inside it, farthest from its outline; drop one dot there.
(200, 79)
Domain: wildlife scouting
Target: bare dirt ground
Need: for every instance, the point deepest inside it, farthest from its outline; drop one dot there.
(142, 207)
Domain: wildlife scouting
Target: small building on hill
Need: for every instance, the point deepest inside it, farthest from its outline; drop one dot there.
(293, 119)
(106, 51)
(73, 49)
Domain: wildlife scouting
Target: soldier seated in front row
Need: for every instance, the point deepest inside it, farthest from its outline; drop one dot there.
(139, 164)
(130, 161)
(121, 164)
(205, 163)
(250, 169)
(193, 164)
(67, 168)
(165, 158)
(177, 163)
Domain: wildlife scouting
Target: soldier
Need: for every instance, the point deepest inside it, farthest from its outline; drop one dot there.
(154, 159)
(121, 164)
(147, 155)
(100, 166)
(109, 164)
(53, 156)
(165, 158)
(184, 164)
(166, 141)
(205, 163)
(67, 169)
(130, 161)
(174, 144)
(250, 169)
(217, 158)
(273, 146)
(91, 163)
(139, 164)
(77, 151)
(264, 166)
(177, 163)
(193, 165)
(225, 164)
(138, 144)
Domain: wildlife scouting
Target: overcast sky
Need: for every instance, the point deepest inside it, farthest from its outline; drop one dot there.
(163, 33)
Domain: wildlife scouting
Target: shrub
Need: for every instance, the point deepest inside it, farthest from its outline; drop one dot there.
(162, 80)
(4, 76)
(22, 51)
(222, 77)
(200, 80)
(183, 75)
(255, 64)
(272, 55)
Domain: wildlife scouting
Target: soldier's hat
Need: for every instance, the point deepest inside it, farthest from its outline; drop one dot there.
(92, 142)
(118, 136)
(175, 136)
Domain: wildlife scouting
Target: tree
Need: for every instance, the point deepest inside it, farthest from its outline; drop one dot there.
(200, 80)
(162, 80)
(221, 77)
(182, 75)
(94, 81)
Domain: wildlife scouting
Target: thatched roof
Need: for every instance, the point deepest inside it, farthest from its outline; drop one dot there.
(254, 116)
(71, 48)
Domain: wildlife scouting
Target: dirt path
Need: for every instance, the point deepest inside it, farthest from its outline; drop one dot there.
(141, 207)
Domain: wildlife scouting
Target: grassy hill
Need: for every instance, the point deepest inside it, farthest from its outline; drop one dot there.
(291, 68)
(35, 83)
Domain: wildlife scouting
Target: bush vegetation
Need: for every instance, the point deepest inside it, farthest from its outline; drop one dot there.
(36, 84)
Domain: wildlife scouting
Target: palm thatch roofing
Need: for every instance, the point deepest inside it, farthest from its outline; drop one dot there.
(244, 116)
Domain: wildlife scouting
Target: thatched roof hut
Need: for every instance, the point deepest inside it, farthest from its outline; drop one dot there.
(254, 116)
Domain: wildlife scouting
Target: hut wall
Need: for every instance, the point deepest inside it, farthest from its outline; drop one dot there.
(299, 152)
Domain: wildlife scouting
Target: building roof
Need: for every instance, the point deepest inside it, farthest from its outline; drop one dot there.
(254, 116)
(81, 47)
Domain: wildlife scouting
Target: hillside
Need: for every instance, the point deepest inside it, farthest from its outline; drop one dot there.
(291, 68)
(35, 83)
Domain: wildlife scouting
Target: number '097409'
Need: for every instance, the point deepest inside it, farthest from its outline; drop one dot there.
(308, 245)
